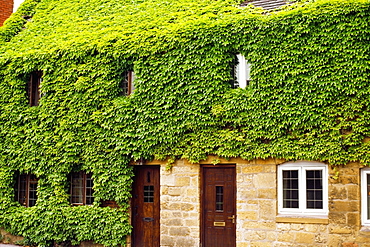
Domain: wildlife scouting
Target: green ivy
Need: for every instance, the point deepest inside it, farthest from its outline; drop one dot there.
(309, 98)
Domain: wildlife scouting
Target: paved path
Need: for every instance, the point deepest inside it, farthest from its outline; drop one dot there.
(8, 245)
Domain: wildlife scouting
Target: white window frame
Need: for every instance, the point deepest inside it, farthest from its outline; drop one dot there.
(364, 204)
(242, 71)
(301, 167)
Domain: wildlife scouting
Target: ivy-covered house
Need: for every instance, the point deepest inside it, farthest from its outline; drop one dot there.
(185, 123)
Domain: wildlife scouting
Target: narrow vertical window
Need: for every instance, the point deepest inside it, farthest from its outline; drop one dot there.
(82, 188)
(219, 198)
(127, 83)
(33, 88)
(365, 196)
(241, 72)
(26, 189)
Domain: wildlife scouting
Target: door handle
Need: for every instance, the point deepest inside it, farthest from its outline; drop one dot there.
(232, 218)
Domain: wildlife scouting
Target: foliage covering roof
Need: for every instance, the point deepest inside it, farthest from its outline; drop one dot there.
(309, 97)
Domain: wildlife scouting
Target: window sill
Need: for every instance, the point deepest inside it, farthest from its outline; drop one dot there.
(306, 219)
(365, 229)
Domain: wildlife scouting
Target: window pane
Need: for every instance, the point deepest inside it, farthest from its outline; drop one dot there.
(32, 193)
(89, 189)
(77, 188)
(314, 189)
(219, 198)
(149, 193)
(290, 189)
(22, 191)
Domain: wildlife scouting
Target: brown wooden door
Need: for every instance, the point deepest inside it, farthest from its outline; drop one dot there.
(145, 207)
(218, 206)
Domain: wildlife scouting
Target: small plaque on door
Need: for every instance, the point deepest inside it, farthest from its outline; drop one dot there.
(217, 223)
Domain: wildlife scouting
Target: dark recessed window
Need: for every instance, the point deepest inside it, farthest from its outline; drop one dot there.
(82, 188)
(33, 88)
(127, 83)
(26, 189)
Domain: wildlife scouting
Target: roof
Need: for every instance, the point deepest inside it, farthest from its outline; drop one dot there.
(266, 4)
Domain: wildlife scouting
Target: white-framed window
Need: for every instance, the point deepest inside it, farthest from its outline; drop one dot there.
(365, 196)
(303, 188)
(242, 72)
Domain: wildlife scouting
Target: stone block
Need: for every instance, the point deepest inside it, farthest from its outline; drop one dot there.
(187, 206)
(340, 230)
(348, 179)
(344, 206)
(242, 244)
(186, 242)
(264, 180)
(167, 240)
(285, 237)
(261, 244)
(182, 181)
(321, 238)
(271, 235)
(264, 225)
(194, 182)
(268, 193)
(304, 237)
(179, 231)
(269, 161)
(171, 206)
(174, 191)
(192, 192)
(337, 218)
(247, 215)
(283, 226)
(246, 194)
(267, 209)
(255, 235)
(338, 192)
(252, 169)
(167, 180)
(173, 222)
(353, 192)
(311, 228)
(192, 223)
(349, 245)
(353, 219)
(297, 227)
(334, 240)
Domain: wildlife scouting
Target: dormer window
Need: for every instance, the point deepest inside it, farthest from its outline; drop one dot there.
(127, 83)
(241, 72)
(33, 88)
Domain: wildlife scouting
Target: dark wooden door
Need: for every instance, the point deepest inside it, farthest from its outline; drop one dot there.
(145, 207)
(218, 206)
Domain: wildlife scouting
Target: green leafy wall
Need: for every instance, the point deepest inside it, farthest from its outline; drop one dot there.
(308, 99)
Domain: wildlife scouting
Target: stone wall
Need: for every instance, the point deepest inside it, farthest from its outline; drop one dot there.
(258, 222)
(180, 205)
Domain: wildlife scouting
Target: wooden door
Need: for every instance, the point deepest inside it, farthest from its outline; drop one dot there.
(218, 206)
(145, 207)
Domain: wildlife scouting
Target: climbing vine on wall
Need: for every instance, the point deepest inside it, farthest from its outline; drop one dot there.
(308, 99)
